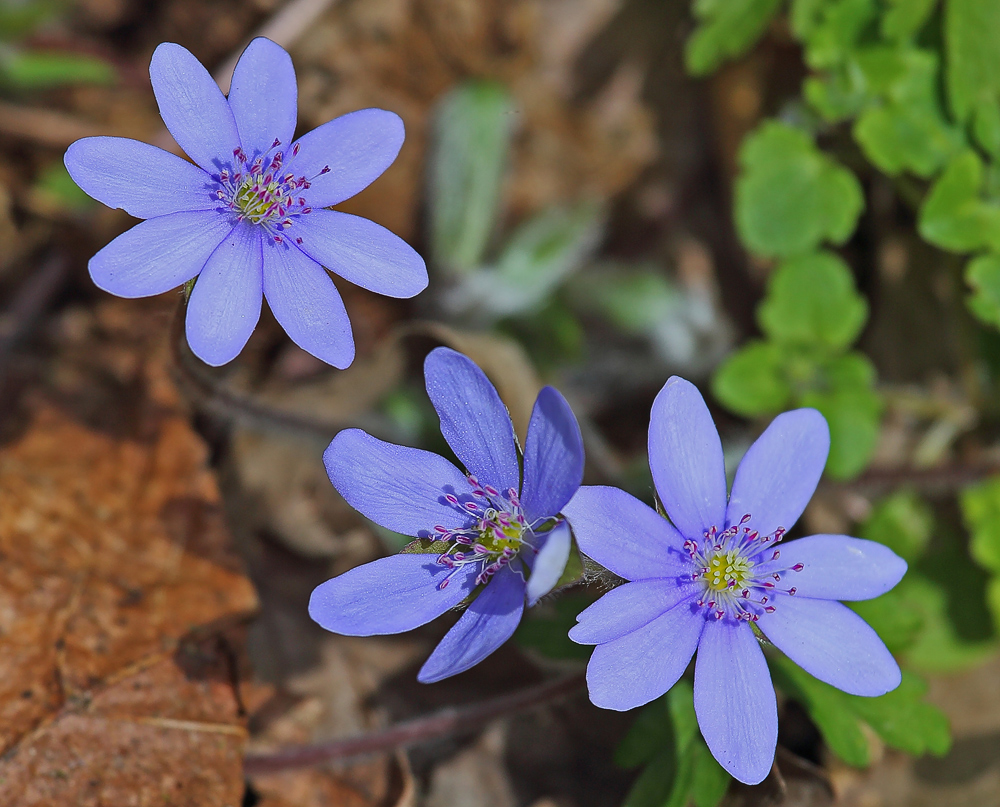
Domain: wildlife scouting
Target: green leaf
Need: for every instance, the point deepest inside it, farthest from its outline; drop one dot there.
(680, 705)
(981, 514)
(790, 196)
(726, 29)
(651, 732)
(36, 70)
(55, 188)
(903, 522)
(983, 276)
(539, 256)
(811, 300)
(904, 720)
(973, 58)
(953, 215)
(906, 130)
(471, 137)
(837, 95)
(636, 302)
(845, 396)
(986, 126)
(752, 381)
(804, 16)
(893, 620)
(840, 727)
(660, 783)
(836, 30)
(993, 600)
(545, 627)
(709, 780)
(903, 19)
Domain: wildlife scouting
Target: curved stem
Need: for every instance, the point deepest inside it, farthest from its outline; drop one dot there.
(439, 724)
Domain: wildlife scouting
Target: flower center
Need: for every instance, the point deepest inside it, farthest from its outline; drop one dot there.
(727, 570)
(257, 191)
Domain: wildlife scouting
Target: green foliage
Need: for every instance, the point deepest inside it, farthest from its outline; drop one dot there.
(471, 139)
(790, 196)
(901, 718)
(954, 216)
(811, 314)
(727, 29)
(679, 768)
(36, 70)
(904, 18)
(903, 522)
(545, 627)
(981, 512)
(973, 76)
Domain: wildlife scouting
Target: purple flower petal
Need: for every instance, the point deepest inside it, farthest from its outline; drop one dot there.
(226, 300)
(489, 621)
(549, 563)
(553, 456)
(263, 96)
(734, 700)
(832, 643)
(307, 304)
(356, 148)
(642, 665)
(624, 535)
(627, 608)
(837, 567)
(685, 456)
(398, 487)
(159, 254)
(391, 595)
(474, 420)
(193, 107)
(142, 180)
(363, 252)
(779, 474)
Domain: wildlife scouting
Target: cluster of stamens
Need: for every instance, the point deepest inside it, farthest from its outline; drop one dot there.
(493, 540)
(736, 568)
(257, 191)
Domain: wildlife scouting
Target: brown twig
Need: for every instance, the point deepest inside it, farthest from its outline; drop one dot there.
(446, 722)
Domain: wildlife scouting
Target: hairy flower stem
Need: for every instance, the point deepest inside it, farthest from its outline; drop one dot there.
(446, 722)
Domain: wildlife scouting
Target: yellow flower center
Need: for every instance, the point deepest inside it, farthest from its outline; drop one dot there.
(727, 569)
(258, 201)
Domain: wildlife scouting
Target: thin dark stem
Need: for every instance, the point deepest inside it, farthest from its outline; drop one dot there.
(440, 724)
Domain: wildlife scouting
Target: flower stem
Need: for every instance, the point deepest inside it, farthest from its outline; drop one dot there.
(448, 721)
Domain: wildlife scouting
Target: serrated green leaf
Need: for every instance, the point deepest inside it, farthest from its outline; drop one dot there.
(903, 522)
(752, 381)
(36, 70)
(726, 29)
(811, 300)
(981, 514)
(903, 19)
(953, 216)
(471, 137)
(840, 727)
(983, 276)
(836, 30)
(973, 58)
(709, 780)
(790, 197)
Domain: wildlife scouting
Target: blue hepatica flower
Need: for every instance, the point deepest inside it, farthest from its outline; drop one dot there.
(496, 538)
(248, 220)
(716, 577)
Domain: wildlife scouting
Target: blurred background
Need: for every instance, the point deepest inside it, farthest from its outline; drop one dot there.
(788, 204)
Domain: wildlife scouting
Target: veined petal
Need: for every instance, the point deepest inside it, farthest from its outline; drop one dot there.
(625, 535)
(400, 488)
(263, 97)
(391, 595)
(141, 179)
(159, 254)
(489, 621)
(549, 563)
(832, 643)
(640, 666)
(553, 456)
(356, 148)
(307, 304)
(685, 456)
(734, 700)
(474, 420)
(193, 107)
(362, 252)
(837, 567)
(780, 471)
(627, 608)
(225, 303)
